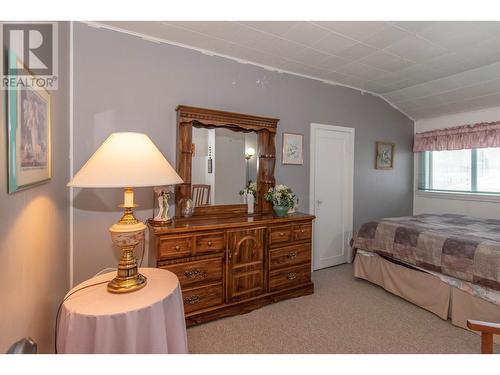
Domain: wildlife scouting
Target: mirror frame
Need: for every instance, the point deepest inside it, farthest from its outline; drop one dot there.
(265, 127)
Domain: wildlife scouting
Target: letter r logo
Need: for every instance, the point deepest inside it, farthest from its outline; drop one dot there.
(29, 45)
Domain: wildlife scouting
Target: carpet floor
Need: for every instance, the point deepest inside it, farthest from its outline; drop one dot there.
(344, 315)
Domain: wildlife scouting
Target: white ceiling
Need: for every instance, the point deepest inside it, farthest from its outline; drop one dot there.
(424, 68)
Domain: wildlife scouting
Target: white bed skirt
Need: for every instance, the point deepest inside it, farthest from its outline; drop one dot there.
(426, 290)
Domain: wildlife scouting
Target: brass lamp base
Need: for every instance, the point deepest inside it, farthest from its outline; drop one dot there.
(127, 234)
(126, 285)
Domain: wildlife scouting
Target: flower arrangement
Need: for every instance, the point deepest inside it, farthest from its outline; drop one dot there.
(281, 196)
(251, 189)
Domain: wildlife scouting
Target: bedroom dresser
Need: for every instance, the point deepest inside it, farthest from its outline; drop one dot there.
(232, 265)
(228, 261)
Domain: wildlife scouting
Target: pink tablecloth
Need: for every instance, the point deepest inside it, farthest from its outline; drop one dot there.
(150, 320)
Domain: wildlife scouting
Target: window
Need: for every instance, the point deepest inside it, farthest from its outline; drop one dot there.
(470, 171)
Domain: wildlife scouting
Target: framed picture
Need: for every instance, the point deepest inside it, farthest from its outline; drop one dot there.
(384, 157)
(292, 149)
(29, 148)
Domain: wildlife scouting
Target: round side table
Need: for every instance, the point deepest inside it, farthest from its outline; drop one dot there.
(149, 320)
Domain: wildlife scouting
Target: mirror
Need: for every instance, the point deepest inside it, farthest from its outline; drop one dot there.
(223, 163)
(223, 170)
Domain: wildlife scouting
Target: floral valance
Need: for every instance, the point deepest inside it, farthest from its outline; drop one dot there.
(481, 135)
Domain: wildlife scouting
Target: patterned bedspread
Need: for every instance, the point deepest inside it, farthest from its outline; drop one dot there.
(460, 246)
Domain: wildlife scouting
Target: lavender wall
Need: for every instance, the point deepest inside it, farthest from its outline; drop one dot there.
(124, 83)
(34, 231)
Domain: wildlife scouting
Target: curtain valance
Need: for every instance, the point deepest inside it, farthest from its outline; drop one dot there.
(481, 135)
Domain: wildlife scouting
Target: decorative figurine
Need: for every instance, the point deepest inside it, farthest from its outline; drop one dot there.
(163, 195)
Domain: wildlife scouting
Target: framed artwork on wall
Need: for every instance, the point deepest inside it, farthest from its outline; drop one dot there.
(292, 149)
(384, 157)
(29, 146)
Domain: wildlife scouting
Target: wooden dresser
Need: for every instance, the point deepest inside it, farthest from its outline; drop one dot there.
(232, 265)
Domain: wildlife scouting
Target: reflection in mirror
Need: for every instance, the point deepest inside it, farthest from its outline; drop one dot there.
(224, 162)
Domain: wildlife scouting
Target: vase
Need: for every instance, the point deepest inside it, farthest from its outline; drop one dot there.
(250, 202)
(280, 211)
(187, 207)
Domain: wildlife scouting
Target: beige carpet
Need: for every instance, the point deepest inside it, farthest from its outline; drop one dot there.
(344, 315)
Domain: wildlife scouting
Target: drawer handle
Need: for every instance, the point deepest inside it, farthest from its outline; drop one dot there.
(291, 255)
(302, 231)
(177, 247)
(209, 243)
(282, 234)
(291, 275)
(193, 299)
(193, 274)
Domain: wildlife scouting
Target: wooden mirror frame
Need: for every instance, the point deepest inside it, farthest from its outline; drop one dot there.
(209, 118)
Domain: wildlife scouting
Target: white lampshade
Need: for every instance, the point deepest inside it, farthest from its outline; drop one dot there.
(126, 160)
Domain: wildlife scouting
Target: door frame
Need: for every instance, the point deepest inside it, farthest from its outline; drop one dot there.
(349, 191)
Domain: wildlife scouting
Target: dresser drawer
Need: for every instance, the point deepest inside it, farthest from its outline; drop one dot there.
(210, 243)
(289, 256)
(289, 277)
(280, 234)
(197, 272)
(201, 298)
(175, 247)
(302, 232)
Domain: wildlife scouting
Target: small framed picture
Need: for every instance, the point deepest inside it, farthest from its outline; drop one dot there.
(384, 157)
(29, 146)
(292, 149)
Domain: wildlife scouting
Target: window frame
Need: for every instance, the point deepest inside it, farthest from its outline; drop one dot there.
(424, 175)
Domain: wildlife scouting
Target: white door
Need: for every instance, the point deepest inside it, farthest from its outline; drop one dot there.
(331, 191)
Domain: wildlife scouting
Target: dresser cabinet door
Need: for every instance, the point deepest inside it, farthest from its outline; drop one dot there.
(245, 264)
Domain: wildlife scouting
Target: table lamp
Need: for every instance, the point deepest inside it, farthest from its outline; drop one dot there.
(126, 160)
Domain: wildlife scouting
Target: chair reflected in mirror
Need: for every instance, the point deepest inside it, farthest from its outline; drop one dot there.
(200, 194)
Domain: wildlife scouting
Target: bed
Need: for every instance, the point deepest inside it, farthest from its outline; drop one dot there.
(447, 264)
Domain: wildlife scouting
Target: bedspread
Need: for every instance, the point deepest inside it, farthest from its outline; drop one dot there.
(464, 247)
